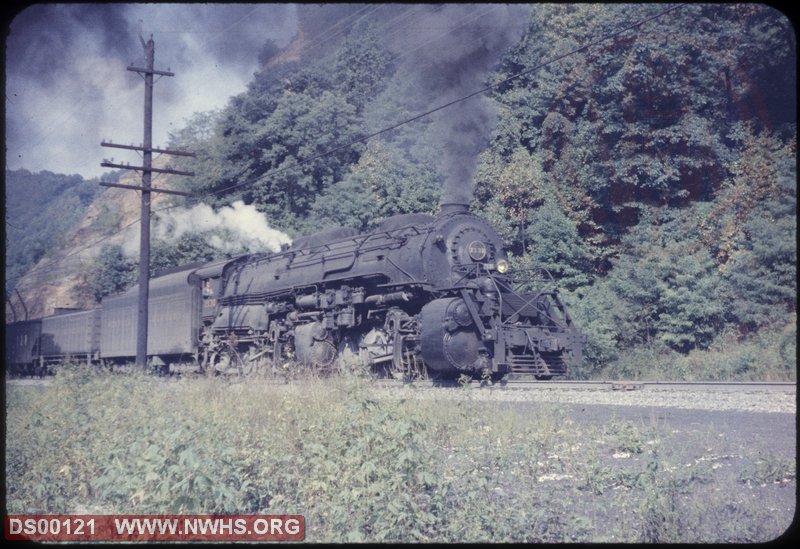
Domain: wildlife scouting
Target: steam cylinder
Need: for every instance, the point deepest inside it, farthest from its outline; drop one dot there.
(449, 340)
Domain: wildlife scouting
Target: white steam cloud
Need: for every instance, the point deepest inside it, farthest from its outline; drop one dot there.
(234, 229)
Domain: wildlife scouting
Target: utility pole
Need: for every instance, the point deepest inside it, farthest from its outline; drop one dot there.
(146, 189)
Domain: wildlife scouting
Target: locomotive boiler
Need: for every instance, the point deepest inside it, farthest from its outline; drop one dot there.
(419, 295)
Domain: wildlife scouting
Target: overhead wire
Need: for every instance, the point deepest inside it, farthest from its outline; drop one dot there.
(320, 40)
(70, 114)
(307, 47)
(441, 107)
(431, 111)
(419, 116)
(224, 29)
(393, 22)
(466, 20)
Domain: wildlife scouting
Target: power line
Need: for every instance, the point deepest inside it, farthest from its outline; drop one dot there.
(445, 105)
(464, 22)
(54, 261)
(208, 31)
(320, 40)
(434, 110)
(397, 19)
(298, 163)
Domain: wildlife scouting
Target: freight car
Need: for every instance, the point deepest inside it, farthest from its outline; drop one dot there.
(420, 295)
(22, 346)
(72, 334)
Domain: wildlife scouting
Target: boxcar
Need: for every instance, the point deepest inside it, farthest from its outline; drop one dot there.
(173, 323)
(75, 335)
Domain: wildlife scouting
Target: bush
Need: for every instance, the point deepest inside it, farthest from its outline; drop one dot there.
(767, 355)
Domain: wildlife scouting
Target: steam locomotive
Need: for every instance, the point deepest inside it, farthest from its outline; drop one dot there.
(418, 296)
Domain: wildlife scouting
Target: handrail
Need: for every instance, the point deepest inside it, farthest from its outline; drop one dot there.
(528, 302)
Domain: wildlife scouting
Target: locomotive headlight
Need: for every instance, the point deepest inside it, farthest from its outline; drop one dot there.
(502, 266)
(477, 250)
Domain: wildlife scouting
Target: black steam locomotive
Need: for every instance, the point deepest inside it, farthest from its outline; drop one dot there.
(418, 296)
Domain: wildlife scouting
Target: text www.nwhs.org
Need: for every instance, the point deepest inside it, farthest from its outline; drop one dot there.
(208, 526)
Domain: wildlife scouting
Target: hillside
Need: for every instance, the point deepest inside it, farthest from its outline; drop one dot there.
(39, 208)
(59, 277)
(653, 173)
(57, 225)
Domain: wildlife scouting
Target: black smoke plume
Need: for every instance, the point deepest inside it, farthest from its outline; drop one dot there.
(449, 51)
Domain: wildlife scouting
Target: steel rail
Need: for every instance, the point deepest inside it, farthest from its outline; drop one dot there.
(502, 385)
(612, 385)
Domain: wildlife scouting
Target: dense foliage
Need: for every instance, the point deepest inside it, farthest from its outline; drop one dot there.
(652, 174)
(115, 271)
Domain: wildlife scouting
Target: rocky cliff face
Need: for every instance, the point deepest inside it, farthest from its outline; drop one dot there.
(59, 279)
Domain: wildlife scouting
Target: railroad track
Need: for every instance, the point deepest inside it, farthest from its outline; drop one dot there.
(766, 397)
(617, 385)
(534, 385)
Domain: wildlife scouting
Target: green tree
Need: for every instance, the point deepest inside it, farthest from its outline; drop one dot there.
(41, 208)
(670, 281)
(605, 320)
(189, 248)
(762, 272)
(642, 119)
(267, 147)
(513, 187)
(751, 228)
(347, 203)
(301, 128)
(361, 65)
(554, 245)
(113, 272)
(396, 184)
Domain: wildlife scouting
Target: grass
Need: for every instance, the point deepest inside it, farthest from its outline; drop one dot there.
(363, 467)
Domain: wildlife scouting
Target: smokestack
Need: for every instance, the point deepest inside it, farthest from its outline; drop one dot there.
(453, 208)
